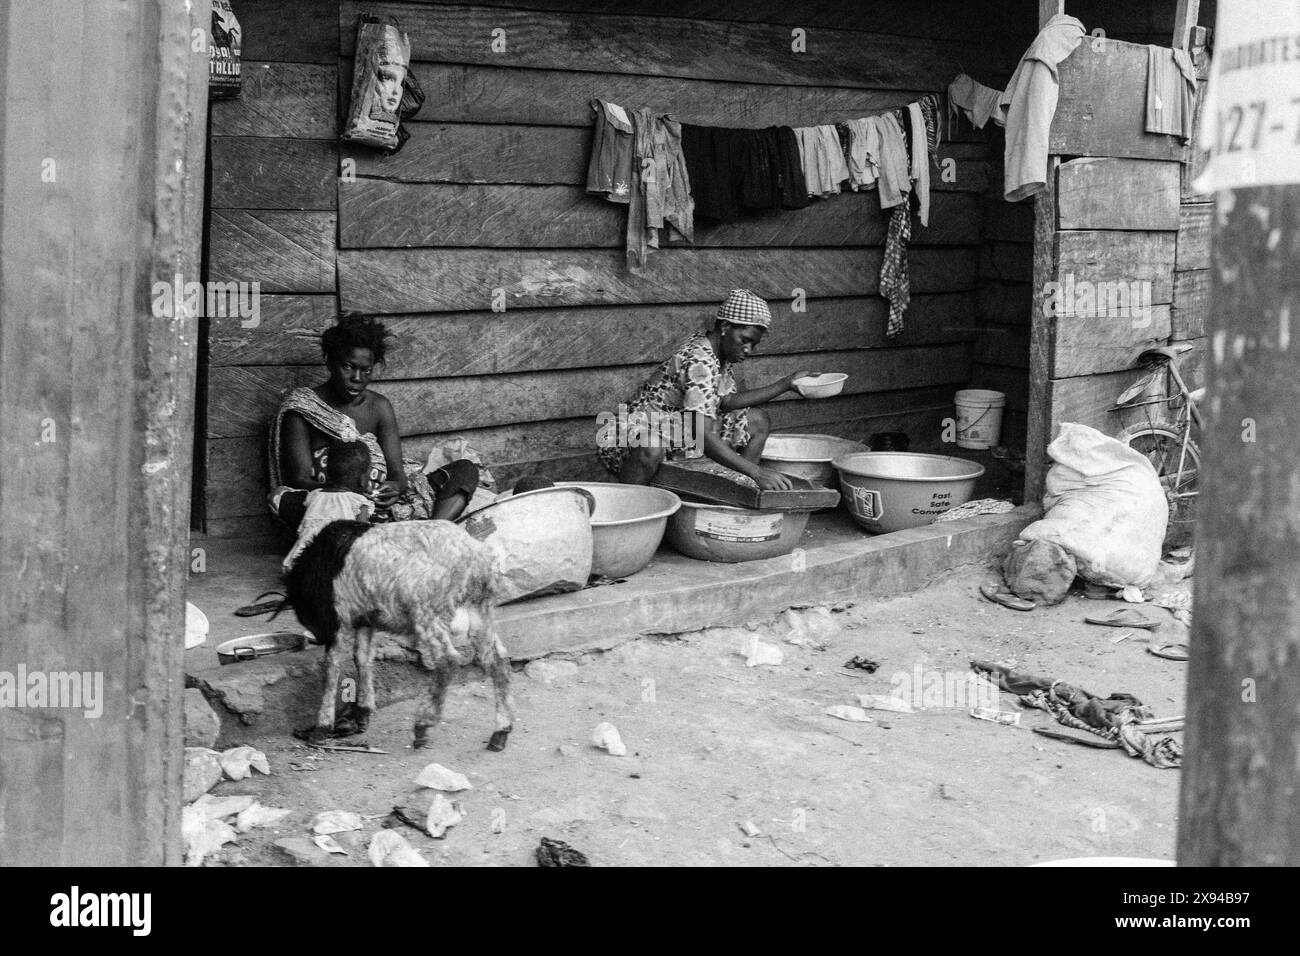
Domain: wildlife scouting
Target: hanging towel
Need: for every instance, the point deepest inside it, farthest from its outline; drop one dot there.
(1171, 91)
(978, 102)
(1029, 103)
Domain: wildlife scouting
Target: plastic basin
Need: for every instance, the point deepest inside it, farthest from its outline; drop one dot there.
(821, 386)
(808, 456)
(627, 524)
(893, 490)
(543, 539)
(729, 534)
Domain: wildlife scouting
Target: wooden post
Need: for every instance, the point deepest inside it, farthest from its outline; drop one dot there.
(1238, 802)
(101, 133)
(1048, 9)
(1185, 18)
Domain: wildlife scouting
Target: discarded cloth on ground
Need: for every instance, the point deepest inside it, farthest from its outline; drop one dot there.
(1114, 718)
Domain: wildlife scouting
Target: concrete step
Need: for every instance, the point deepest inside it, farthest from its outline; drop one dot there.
(674, 594)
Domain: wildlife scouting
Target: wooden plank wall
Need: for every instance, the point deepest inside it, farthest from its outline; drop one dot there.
(1115, 215)
(488, 194)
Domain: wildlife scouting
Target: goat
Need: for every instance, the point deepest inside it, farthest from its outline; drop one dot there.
(425, 579)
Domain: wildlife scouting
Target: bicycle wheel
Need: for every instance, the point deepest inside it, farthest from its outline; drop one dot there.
(1161, 443)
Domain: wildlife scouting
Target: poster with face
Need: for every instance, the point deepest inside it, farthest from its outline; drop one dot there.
(383, 57)
(224, 43)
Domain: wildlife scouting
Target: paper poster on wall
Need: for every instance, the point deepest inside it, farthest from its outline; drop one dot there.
(1251, 120)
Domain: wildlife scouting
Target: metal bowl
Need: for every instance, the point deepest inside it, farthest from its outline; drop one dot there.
(260, 645)
(543, 539)
(807, 456)
(893, 490)
(627, 524)
(729, 534)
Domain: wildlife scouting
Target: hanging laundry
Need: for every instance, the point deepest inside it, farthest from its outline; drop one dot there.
(920, 171)
(609, 169)
(978, 102)
(1171, 91)
(895, 278)
(794, 187)
(1029, 103)
(822, 159)
(891, 160)
(864, 146)
(639, 237)
(734, 170)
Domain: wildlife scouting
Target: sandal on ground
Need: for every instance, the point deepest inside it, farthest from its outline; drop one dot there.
(1170, 652)
(265, 607)
(1123, 617)
(1004, 597)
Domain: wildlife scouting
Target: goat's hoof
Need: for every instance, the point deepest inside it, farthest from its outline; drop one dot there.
(498, 741)
(313, 735)
(354, 720)
(422, 738)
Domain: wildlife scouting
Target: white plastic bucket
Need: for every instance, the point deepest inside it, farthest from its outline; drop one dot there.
(979, 417)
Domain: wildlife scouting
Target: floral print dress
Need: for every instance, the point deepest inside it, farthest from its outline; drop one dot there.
(693, 379)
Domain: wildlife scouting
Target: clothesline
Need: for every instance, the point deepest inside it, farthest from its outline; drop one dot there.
(667, 173)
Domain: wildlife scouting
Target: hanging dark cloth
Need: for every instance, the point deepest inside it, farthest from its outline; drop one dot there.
(741, 170)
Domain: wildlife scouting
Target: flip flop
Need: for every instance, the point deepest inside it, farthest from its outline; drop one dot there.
(1170, 652)
(265, 607)
(1124, 617)
(1004, 597)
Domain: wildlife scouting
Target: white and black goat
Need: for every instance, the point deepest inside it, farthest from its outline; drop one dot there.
(425, 579)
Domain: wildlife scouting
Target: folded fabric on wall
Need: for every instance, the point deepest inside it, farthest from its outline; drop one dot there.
(1029, 103)
(1171, 91)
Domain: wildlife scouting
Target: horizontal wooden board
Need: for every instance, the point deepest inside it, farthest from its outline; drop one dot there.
(284, 251)
(546, 155)
(287, 332)
(257, 173)
(487, 343)
(423, 280)
(1102, 106)
(1003, 345)
(1008, 221)
(1118, 194)
(303, 31)
(657, 46)
(238, 478)
(1007, 261)
(505, 94)
(242, 400)
(935, 19)
(1004, 303)
(1194, 236)
(373, 213)
(1191, 304)
(280, 99)
(1084, 345)
(1107, 256)
(503, 152)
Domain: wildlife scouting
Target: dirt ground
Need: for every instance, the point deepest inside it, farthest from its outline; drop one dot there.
(714, 744)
